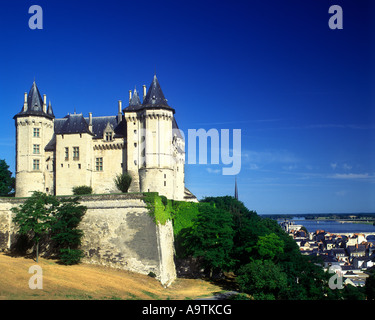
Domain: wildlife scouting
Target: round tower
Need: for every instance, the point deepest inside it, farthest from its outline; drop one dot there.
(34, 129)
(150, 142)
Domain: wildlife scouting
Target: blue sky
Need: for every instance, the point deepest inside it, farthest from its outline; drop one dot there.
(301, 93)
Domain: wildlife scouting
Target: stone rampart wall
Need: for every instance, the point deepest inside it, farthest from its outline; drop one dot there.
(118, 232)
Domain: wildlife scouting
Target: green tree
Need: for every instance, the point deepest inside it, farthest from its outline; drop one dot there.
(370, 284)
(247, 227)
(353, 293)
(36, 216)
(65, 232)
(264, 280)
(270, 246)
(7, 182)
(210, 238)
(123, 181)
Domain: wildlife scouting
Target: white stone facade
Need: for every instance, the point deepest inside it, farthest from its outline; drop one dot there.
(54, 155)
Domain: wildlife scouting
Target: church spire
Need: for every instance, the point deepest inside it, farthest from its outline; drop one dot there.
(235, 189)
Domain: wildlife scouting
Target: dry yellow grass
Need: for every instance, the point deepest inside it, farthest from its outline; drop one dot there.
(86, 281)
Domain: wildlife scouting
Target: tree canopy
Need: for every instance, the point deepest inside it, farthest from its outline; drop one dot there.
(7, 182)
(266, 261)
(43, 214)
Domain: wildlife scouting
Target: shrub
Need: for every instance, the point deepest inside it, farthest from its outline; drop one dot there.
(80, 190)
(123, 182)
(71, 256)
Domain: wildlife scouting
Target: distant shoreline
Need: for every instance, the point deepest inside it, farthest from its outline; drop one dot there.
(345, 217)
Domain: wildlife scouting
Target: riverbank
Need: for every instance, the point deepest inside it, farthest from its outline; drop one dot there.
(332, 226)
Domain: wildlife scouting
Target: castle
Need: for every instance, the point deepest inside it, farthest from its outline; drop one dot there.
(54, 155)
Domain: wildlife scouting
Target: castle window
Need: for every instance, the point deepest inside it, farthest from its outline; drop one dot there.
(99, 164)
(79, 166)
(165, 183)
(35, 164)
(36, 132)
(75, 153)
(66, 153)
(108, 136)
(36, 148)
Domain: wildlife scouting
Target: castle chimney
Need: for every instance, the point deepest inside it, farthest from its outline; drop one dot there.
(130, 95)
(144, 92)
(119, 115)
(90, 121)
(25, 103)
(44, 103)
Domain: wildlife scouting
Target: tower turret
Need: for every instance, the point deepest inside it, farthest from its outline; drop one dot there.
(34, 129)
(150, 152)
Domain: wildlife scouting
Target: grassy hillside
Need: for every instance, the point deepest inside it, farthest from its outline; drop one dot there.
(84, 281)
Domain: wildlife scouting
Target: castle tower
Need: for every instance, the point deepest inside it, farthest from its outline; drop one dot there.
(150, 142)
(34, 129)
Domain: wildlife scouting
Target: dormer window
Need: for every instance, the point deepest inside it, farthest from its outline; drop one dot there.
(108, 132)
(108, 136)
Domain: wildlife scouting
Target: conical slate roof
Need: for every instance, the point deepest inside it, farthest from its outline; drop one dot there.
(155, 96)
(49, 110)
(34, 99)
(154, 99)
(35, 105)
(135, 101)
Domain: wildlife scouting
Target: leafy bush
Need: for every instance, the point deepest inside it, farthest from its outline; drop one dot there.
(80, 190)
(123, 182)
(70, 256)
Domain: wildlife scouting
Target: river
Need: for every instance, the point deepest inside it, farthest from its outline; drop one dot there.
(334, 226)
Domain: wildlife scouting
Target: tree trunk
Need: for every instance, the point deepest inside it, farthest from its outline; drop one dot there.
(37, 252)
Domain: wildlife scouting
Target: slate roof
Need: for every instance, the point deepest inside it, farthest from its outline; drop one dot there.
(35, 105)
(100, 123)
(76, 123)
(176, 129)
(49, 110)
(359, 248)
(154, 99)
(135, 102)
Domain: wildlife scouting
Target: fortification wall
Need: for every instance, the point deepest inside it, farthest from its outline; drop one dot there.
(118, 232)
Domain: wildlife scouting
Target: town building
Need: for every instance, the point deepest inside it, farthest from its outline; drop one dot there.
(352, 255)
